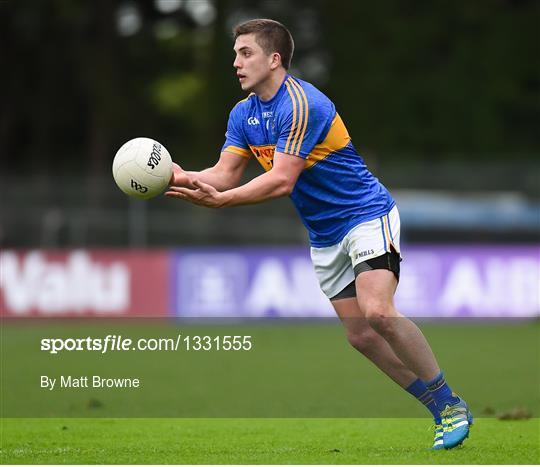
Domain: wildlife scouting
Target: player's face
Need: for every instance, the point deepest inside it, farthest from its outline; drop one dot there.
(252, 65)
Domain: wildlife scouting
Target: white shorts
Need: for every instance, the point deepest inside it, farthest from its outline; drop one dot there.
(334, 265)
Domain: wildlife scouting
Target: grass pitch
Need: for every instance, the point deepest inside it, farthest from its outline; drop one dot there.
(296, 372)
(260, 441)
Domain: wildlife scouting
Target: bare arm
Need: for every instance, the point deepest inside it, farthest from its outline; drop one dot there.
(226, 174)
(277, 182)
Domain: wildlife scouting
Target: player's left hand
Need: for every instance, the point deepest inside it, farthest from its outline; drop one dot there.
(204, 195)
(180, 177)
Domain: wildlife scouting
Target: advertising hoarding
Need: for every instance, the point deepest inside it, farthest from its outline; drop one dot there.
(101, 283)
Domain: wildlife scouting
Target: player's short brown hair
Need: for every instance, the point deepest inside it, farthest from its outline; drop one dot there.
(271, 35)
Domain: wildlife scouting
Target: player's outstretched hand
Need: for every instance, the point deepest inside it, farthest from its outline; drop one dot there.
(204, 194)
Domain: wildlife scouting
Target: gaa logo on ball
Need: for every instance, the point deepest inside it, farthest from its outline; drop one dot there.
(142, 168)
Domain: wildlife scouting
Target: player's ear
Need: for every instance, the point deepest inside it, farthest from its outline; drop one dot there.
(275, 61)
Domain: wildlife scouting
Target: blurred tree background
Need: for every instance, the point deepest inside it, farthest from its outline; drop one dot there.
(437, 95)
(423, 80)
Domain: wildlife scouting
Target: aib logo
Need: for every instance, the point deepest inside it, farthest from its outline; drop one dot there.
(138, 187)
(253, 121)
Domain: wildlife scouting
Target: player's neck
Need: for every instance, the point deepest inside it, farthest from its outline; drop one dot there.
(270, 87)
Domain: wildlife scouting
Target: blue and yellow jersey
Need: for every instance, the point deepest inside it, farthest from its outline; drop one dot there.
(335, 191)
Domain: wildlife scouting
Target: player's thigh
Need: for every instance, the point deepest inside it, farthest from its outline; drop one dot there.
(373, 248)
(375, 291)
(359, 332)
(335, 274)
(347, 308)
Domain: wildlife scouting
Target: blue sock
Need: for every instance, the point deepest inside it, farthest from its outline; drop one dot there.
(441, 392)
(419, 390)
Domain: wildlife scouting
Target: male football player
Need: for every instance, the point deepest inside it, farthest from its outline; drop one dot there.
(297, 136)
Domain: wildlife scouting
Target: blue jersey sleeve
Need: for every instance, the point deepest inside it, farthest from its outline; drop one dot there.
(303, 121)
(235, 140)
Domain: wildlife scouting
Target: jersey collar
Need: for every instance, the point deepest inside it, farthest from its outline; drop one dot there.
(276, 95)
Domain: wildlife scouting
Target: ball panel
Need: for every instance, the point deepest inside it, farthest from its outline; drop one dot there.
(125, 153)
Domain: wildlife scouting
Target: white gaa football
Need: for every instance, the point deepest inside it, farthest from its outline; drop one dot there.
(142, 168)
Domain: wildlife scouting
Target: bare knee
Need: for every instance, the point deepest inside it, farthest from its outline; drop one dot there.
(364, 340)
(381, 316)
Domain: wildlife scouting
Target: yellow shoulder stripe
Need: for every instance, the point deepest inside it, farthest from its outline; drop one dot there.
(300, 118)
(293, 101)
(303, 100)
(299, 122)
